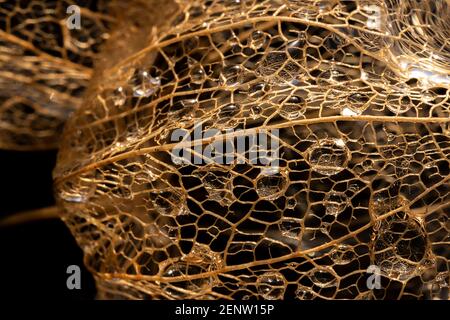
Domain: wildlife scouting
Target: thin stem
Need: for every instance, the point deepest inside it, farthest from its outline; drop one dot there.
(30, 216)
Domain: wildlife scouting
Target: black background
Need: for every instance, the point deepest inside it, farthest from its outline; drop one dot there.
(34, 256)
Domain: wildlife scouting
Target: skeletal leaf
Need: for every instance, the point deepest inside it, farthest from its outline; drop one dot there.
(353, 94)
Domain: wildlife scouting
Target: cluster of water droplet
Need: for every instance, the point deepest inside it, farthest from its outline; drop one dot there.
(140, 82)
(199, 261)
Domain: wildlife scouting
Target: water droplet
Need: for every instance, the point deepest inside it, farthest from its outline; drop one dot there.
(256, 112)
(231, 75)
(216, 181)
(428, 96)
(183, 111)
(110, 224)
(229, 111)
(235, 45)
(400, 246)
(428, 263)
(291, 203)
(441, 279)
(78, 190)
(172, 231)
(271, 285)
(446, 129)
(272, 63)
(328, 156)
(439, 287)
(332, 76)
(230, 3)
(197, 74)
(399, 103)
(333, 42)
(290, 228)
(342, 254)
(227, 117)
(382, 204)
(119, 97)
(390, 136)
(323, 278)
(354, 188)
(121, 144)
(144, 84)
(258, 90)
(443, 219)
(168, 202)
(292, 108)
(201, 254)
(73, 197)
(178, 289)
(357, 102)
(335, 203)
(325, 228)
(258, 39)
(200, 260)
(270, 187)
(325, 5)
(376, 37)
(304, 293)
(402, 166)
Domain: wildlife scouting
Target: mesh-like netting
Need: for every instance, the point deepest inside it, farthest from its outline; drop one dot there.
(354, 95)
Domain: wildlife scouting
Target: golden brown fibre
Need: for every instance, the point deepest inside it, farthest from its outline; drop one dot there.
(354, 95)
